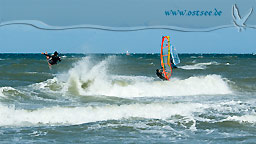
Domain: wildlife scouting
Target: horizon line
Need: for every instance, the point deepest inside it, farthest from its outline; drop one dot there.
(131, 53)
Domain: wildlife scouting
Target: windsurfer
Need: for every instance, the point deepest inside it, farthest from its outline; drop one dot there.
(159, 73)
(173, 65)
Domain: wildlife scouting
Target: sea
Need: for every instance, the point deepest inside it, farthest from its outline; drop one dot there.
(117, 98)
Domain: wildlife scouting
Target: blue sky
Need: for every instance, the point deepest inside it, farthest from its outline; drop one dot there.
(120, 14)
(125, 13)
(26, 39)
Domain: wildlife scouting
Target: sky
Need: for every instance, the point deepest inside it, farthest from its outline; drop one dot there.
(27, 39)
(126, 13)
(129, 14)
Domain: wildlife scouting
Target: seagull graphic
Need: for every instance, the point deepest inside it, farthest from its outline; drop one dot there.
(238, 21)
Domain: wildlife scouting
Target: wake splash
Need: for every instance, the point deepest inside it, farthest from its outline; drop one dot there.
(198, 66)
(89, 79)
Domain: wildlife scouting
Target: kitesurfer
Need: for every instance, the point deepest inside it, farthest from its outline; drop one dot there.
(52, 59)
(159, 73)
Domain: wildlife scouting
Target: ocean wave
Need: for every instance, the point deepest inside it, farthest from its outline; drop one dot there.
(185, 114)
(79, 115)
(34, 73)
(86, 80)
(204, 85)
(4, 90)
(198, 66)
(51, 87)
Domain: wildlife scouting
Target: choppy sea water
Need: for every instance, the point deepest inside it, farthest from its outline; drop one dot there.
(114, 98)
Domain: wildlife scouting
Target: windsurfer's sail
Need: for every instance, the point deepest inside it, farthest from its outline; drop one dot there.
(175, 57)
(166, 57)
(169, 57)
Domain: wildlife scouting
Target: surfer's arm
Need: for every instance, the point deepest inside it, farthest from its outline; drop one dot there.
(46, 54)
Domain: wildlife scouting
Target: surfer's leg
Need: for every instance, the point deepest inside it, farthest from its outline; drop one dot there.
(50, 66)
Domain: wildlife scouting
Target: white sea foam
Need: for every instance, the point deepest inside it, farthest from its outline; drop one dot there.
(210, 84)
(198, 66)
(9, 116)
(186, 114)
(244, 118)
(39, 73)
(32, 72)
(85, 72)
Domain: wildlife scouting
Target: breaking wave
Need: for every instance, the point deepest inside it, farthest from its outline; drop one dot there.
(79, 115)
(187, 114)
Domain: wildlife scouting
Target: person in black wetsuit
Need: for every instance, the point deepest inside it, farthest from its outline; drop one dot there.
(173, 65)
(159, 73)
(52, 59)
